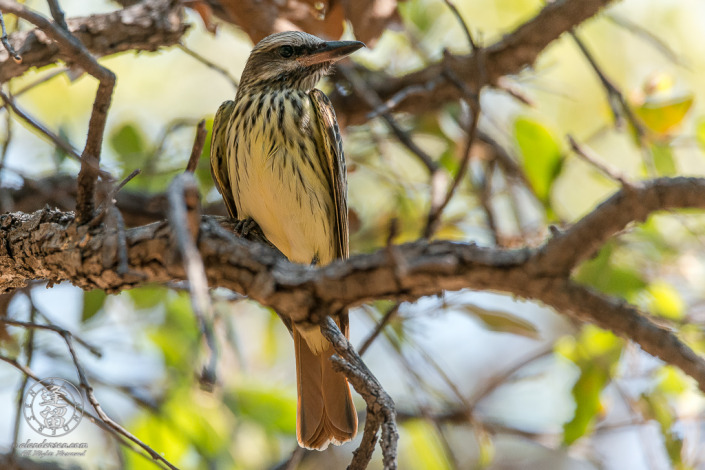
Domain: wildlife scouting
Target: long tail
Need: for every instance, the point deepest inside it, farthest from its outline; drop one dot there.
(325, 411)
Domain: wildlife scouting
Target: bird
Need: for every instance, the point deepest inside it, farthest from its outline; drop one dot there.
(277, 159)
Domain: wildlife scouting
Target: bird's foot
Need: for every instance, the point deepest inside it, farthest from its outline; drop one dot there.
(244, 227)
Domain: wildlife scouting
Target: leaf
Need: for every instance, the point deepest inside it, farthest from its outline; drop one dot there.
(93, 301)
(271, 408)
(596, 353)
(665, 301)
(541, 155)
(424, 448)
(664, 116)
(129, 144)
(700, 133)
(502, 322)
(656, 406)
(601, 274)
(663, 159)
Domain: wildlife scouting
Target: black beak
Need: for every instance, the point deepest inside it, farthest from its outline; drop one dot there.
(331, 51)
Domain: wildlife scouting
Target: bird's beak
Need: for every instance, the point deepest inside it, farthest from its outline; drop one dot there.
(331, 51)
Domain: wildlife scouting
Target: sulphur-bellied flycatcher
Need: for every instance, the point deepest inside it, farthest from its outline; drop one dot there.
(277, 158)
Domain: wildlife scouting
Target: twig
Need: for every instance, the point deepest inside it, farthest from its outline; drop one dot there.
(58, 14)
(8, 139)
(587, 155)
(90, 157)
(655, 41)
(5, 42)
(463, 25)
(127, 179)
(48, 76)
(208, 63)
(374, 102)
(614, 94)
(29, 354)
(401, 95)
(391, 313)
(57, 329)
(184, 219)
(380, 407)
(436, 209)
(27, 372)
(197, 148)
(56, 139)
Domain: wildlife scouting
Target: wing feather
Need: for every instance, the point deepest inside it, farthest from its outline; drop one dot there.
(219, 155)
(335, 166)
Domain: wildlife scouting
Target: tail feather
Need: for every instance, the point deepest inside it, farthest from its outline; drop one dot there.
(325, 411)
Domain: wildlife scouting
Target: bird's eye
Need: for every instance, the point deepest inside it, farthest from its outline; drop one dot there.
(286, 51)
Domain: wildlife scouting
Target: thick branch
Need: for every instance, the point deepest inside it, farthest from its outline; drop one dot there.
(513, 53)
(147, 26)
(50, 245)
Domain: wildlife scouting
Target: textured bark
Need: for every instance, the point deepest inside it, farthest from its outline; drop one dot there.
(48, 244)
(146, 26)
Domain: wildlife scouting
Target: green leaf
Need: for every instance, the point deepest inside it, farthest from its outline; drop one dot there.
(596, 352)
(130, 145)
(93, 301)
(148, 296)
(273, 409)
(503, 322)
(586, 393)
(700, 133)
(656, 406)
(601, 274)
(663, 159)
(665, 300)
(541, 155)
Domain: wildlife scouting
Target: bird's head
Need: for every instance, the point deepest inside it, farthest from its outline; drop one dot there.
(293, 59)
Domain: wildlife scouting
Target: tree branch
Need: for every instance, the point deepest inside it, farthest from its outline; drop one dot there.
(147, 26)
(49, 245)
(513, 53)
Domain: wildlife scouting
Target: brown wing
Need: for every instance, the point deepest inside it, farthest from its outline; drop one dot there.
(335, 161)
(219, 155)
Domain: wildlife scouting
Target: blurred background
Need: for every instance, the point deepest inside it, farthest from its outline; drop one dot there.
(480, 379)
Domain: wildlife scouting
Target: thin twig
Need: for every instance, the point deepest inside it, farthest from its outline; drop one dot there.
(27, 372)
(614, 94)
(463, 25)
(54, 138)
(374, 102)
(90, 157)
(5, 42)
(29, 355)
(391, 313)
(208, 63)
(184, 219)
(389, 105)
(436, 209)
(48, 76)
(587, 155)
(380, 407)
(57, 140)
(197, 148)
(127, 179)
(659, 44)
(57, 329)
(58, 14)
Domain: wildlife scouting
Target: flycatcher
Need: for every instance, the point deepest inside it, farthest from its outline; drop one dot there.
(277, 158)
